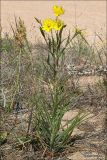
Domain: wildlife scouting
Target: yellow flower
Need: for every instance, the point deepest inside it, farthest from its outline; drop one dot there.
(58, 24)
(48, 25)
(79, 31)
(58, 10)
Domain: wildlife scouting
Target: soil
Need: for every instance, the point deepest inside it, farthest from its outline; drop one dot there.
(90, 136)
(89, 15)
(91, 142)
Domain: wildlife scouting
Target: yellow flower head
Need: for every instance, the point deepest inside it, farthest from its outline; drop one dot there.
(58, 24)
(58, 10)
(48, 25)
(79, 31)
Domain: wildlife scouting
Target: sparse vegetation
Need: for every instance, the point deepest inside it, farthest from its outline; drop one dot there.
(41, 83)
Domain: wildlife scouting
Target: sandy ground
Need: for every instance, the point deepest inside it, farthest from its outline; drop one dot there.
(86, 14)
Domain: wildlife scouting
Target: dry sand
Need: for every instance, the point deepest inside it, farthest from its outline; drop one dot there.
(86, 14)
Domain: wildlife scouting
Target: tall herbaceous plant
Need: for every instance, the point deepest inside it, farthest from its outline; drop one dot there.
(54, 97)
